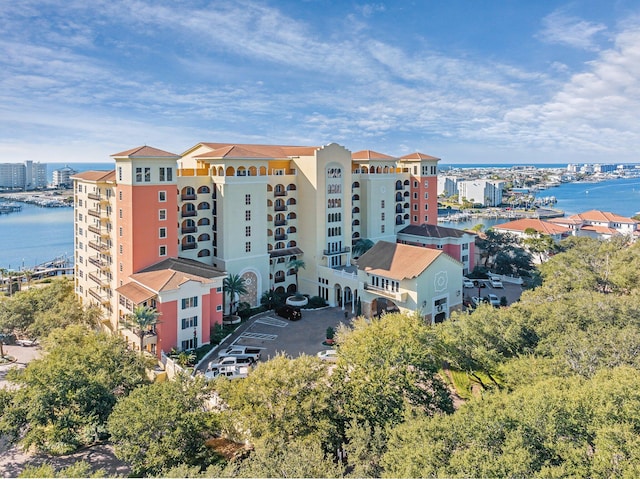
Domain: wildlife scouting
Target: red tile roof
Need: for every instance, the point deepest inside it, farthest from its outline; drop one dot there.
(397, 261)
(417, 156)
(144, 152)
(96, 175)
(540, 226)
(262, 151)
(370, 155)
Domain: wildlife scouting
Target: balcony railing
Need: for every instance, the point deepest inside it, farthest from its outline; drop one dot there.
(189, 229)
(279, 279)
(95, 213)
(280, 237)
(98, 280)
(102, 265)
(103, 248)
(280, 222)
(98, 230)
(187, 246)
(398, 296)
(187, 214)
(103, 297)
(189, 196)
(280, 208)
(342, 250)
(279, 193)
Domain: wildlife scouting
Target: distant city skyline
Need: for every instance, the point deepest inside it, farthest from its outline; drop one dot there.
(469, 82)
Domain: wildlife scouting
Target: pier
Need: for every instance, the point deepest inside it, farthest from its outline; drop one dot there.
(6, 208)
(60, 266)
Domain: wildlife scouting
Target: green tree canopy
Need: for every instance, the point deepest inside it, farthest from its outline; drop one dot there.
(63, 400)
(163, 425)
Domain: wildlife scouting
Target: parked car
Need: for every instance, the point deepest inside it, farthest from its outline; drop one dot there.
(238, 350)
(248, 359)
(26, 342)
(330, 355)
(495, 282)
(493, 300)
(292, 313)
(231, 372)
(475, 300)
(222, 361)
(467, 283)
(478, 283)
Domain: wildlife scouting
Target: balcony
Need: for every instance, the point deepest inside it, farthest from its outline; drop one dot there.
(101, 296)
(188, 246)
(280, 208)
(101, 247)
(342, 250)
(98, 280)
(100, 264)
(95, 213)
(188, 229)
(280, 223)
(280, 193)
(188, 214)
(186, 197)
(394, 295)
(98, 197)
(98, 230)
(280, 237)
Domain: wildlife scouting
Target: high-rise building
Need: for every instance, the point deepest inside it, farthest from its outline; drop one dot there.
(226, 209)
(23, 176)
(62, 177)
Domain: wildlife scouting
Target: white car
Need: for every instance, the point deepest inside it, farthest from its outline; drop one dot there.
(238, 350)
(495, 282)
(493, 299)
(231, 372)
(330, 355)
(467, 283)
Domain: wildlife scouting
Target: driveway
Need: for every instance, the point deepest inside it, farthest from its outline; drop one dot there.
(278, 335)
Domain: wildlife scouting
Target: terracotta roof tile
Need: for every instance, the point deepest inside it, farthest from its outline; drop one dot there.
(170, 273)
(540, 226)
(135, 292)
(417, 156)
(262, 151)
(370, 155)
(145, 152)
(397, 261)
(96, 175)
(433, 231)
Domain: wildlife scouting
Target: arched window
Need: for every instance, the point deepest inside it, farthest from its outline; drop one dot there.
(269, 188)
(204, 189)
(291, 244)
(355, 185)
(204, 252)
(204, 237)
(231, 171)
(398, 185)
(291, 201)
(242, 171)
(188, 193)
(291, 187)
(253, 171)
(204, 206)
(203, 222)
(291, 216)
(356, 210)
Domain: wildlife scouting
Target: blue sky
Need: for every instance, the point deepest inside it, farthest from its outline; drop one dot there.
(467, 81)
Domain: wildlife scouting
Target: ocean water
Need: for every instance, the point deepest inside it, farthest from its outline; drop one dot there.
(37, 235)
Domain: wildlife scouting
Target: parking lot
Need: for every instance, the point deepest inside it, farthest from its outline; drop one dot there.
(278, 335)
(509, 290)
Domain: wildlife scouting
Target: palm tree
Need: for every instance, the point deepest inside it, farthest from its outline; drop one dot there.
(295, 265)
(362, 246)
(141, 322)
(233, 284)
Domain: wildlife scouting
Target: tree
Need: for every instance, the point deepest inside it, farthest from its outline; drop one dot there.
(163, 425)
(233, 285)
(296, 265)
(62, 401)
(362, 246)
(141, 322)
(494, 242)
(282, 399)
(386, 365)
(538, 243)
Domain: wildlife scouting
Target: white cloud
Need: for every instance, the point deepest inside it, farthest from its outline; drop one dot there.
(563, 29)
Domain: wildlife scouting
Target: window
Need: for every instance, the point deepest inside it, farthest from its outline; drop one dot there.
(166, 174)
(139, 175)
(415, 207)
(426, 219)
(465, 258)
(381, 203)
(162, 232)
(120, 195)
(219, 307)
(120, 177)
(247, 199)
(382, 216)
(162, 251)
(415, 184)
(162, 215)
(247, 247)
(382, 229)
(426, 207)
(121, 249)
(465, 246)
(426, 196)
(415, 195)
(120, 213)
(439, 246)
(120, 230)
(426, 185)
(191, 302)
(121, 267)
(247, 231)
(79, 216)
(218, 289)
(80, 202)
(247, 215)
(415, 219)
(162, 196)
(147, 175)
(191, 322)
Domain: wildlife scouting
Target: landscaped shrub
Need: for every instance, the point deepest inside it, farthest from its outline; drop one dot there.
(316, 302)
